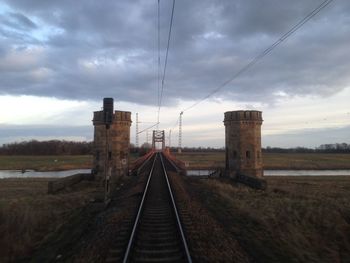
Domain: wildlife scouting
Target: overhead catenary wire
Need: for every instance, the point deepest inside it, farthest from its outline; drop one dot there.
(256, 59)
(166, 59)
(159, 64)
(264, 53)
(150, 127)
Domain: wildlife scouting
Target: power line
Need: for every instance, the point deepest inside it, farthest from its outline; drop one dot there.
(158, 81)
(166, 58)
(265, 52)
(255, 60)
(137, 138)
(148, 128)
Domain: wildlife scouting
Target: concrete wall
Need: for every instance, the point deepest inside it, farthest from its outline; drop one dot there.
(243, 143)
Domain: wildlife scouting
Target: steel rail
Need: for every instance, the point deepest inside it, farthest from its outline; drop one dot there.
(173, 165)
(132, 236)
(144, 164)
(184, 242)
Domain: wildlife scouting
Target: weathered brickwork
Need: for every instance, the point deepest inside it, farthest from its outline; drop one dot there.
(118, 138)
(243, 143)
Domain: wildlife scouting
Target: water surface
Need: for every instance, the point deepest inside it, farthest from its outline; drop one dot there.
(199, 172)
(282, 172)
(306, 172)
(32, 173)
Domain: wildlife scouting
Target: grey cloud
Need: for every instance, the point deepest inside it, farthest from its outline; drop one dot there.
(17, 21)
(210, 42)
(264, 17)
(12, 133)
(23, 21)
(308, 138)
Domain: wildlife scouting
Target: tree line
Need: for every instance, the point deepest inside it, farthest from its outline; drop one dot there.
(323, 148)
(52, 147)
(57, 147)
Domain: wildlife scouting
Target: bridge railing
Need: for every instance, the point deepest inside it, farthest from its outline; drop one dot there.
(180, 165)
(139, 162)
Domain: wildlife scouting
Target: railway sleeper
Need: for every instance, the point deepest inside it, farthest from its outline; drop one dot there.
(169, 244)
(156, 240)
(146, 235)
(156, 253)
(162, 259)
(153, 223)
(155, 229)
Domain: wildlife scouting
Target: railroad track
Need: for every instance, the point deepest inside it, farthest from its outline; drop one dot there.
(157, 234)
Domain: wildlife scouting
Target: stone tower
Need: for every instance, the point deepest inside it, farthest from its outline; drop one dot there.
(243, 143)
(111, 144)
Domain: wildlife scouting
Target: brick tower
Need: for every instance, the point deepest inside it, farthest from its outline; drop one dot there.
(243, 143)
(111, 143)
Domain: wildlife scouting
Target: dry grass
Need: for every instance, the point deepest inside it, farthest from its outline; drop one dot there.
(28, 214)
(196, 160)
(203, 160)
(306, 161)
(49, 162)
(207, 239)
(295, 220)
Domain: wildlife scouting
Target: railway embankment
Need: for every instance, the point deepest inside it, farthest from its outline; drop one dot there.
(296, 219)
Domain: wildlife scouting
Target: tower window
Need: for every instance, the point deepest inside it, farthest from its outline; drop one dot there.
(109, 155)
(247, 154)
(97, 155)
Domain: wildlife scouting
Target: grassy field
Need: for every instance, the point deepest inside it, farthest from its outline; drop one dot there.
(300, 219)
(196, 160)
(300, 161)
(49, 162)
(297, 219)
(28, 214)
(306, 161)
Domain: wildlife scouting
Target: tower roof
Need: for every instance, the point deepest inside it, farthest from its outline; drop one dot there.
(243, 115)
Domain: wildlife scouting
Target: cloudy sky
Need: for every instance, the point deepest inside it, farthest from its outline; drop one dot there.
(58, 59)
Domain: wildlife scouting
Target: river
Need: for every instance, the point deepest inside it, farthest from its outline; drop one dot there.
(34, 174)
(283, 172)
